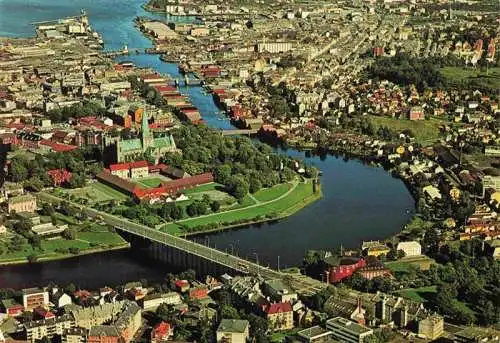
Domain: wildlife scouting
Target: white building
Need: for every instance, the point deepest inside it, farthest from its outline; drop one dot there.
(411, 248)
(233, 331)
(348, 331)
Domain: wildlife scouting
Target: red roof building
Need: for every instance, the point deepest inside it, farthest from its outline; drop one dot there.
(182, 285)
(278, 308)
(161, 332)
(57, 147)
(11, 308)
(345, 269)
(119, 166)
(198, 293)
(41, 313)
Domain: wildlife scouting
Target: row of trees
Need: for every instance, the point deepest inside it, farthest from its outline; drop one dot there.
(33, 172)
(404, 69)
(152, 215)
(90, 108)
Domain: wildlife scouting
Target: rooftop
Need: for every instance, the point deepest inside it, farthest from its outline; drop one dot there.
(103, 331)
(21, 198)
(349, 325)
(233, 325)
(314, 331)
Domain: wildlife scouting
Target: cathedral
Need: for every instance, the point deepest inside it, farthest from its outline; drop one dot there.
(127, 150)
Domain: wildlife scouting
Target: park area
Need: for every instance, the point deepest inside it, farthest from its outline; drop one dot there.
(90, 237)
(425, 132)
(272, 203)
(96, 192)
(480, 77)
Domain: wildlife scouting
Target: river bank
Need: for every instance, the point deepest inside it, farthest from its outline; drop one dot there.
(25, 260)
(281, 215)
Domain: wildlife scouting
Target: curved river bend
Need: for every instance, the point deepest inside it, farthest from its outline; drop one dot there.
(360, 202)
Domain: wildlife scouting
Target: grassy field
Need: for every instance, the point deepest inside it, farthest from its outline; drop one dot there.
(460, 75)
(425, 131)
(98, 192)
(421, 294)
(268, 194)
(404, 265)
(298, 198)
(96, 238)
(204, 188)
(149, 182)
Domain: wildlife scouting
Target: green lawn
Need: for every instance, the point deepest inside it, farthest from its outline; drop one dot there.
(268, 194)
(149, 182)
(421, 294)
(204, 188)
(425, 131)
(460, 76)
(404, 265)
(98, 192)
(287, 205)
(98, 236)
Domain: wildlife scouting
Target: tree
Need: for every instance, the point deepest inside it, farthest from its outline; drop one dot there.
(215, 206)
(16, 243)
(229, 312)
(70, 288)
(238, 187)
(32, 258)
(69, 234)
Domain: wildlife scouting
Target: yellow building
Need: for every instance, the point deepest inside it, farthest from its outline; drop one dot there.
(378, 250)
(22, 203)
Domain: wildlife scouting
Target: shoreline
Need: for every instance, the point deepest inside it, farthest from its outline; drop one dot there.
(282, 215)
(21, 261)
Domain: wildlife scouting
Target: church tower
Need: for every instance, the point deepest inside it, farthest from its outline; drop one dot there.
(146, 135)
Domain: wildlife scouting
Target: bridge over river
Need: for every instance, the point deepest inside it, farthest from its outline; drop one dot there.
(300, 283)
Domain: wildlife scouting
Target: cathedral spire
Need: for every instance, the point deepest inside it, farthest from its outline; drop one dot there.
(144, 125)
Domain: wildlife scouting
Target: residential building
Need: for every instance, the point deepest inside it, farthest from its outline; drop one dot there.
(233, 331)
(278, 292)
(476, 334)
(161, 332)
(348, 331)
(87, 317)
(315, 334)
(103, 334)
(61, 299)
(417, 113)
(38, 329)
(378, 250)
(35, 297)
(129, 321)
(432, 327)
(22, 203)
(279, 316)
(152, 301)
(74, 335)
(411, 248)
(199, 292)
(11, 308)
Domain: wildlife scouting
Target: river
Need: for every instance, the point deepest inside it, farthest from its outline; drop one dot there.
(360, 202)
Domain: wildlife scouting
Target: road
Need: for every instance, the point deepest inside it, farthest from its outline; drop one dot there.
(299, 283)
